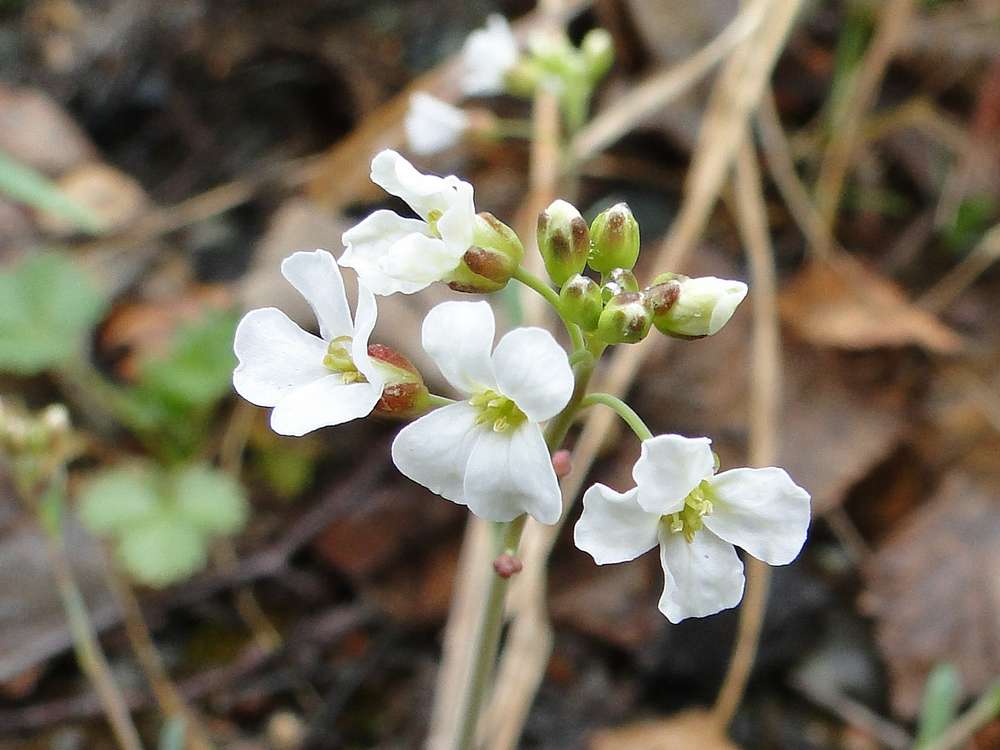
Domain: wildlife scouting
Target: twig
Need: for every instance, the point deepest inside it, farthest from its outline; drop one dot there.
(951, 286)
(981, 713)
(765, 395)
(846, 130)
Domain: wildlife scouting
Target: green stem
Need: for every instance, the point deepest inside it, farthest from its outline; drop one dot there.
(623, 410)
(434, 400)
(981, 713)
(548, 293)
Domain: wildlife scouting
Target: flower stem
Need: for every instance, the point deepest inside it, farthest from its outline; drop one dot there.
(487, 641)
(548, 293)
(623, 410)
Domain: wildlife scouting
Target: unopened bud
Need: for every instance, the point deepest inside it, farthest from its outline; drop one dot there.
(598, 52)
(615, 237)
(626, 319)
(661, 297)
(618, 281)
(495, 254)
(563, 240)
(562, 462)
(404, 393)
(581, 302)
(702, 306)
(506, 565)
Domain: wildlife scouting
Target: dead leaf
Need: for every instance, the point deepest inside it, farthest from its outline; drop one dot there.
(684, 731)
(934, 589)
(38, 132)
(111, 195)
(845, 305)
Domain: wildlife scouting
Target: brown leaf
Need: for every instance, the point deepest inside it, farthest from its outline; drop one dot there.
(111, 195)
(683, 731)
(36, 131)
(934, 589)
(845, 305)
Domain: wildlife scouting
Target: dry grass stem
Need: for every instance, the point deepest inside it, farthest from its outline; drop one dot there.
(951, 286)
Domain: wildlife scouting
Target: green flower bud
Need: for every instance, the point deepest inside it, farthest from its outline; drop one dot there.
(661, 296)
(626, 319)
(563, 240)
(404, 394)
(615, 237)
(495, 254)
(701, 306)
(618, 281)
(598, 52)
(581, 301)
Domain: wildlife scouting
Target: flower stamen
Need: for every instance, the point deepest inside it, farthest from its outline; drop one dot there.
(338, 359)
(497, 409)
(688, 519)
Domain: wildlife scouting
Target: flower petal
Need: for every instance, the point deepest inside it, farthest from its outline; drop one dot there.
(533, 370)
(419, 259)
(364, 324)
(613, 528)
(510, 473)
(275, 356)
(669, 468)
(433, 125)
(323, 403)
(424, 193)
(370, 241)
(701, 577)
(434, 450)
(458, 336)
(761, 510)
(316, 276)
(487, 56)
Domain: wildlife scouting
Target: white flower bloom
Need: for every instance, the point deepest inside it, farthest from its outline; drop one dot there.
(394, 254)
(433, 125)
(696, 516)
(487, 56)
(488, 452)
(703, 306)
(311, 382)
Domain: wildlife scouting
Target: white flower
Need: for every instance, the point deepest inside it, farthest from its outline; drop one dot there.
(703, 306)
(696, 517)
(394, 254)
(311, 382)
(488, 452)
(487, 56)
(433, 125)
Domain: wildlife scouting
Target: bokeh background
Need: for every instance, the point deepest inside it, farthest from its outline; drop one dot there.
(173, 153)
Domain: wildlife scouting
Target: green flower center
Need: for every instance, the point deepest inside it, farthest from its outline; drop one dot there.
(688, 519)
(338, 359)
(433, 217)
(498, 410)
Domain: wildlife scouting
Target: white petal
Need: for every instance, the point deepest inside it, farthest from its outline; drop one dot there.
(275, 356)
(316, 276)
(458, 336)
(424, 192)
(705, 305)
(370, 241)
(433, 125)
(669, 468)
(434, 450)
(364, 324)
(533, 370)
(419, 259)
(761, 510)
(701, 577)
(487, 55)
(613, 528)
(323, 403)
(510, 473)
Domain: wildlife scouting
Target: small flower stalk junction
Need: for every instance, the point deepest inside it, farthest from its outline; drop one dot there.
(489, 444)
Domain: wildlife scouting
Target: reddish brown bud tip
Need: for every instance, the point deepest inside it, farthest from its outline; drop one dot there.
(507, 565)
(390, 356)
(561, 463)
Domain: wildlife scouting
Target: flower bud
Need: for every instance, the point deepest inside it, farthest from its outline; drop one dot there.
(404, 393)
(598, 52)
(618, 281)
(661, 296)
(702, 306)
(563, 240)
(494, 256)
(626, 319)
(580, 298)
(615, 237)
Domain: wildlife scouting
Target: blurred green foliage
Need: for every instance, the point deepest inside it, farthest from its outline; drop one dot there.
(22, 184)
(942, 694)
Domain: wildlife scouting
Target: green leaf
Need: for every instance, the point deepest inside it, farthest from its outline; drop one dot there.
(210, 500)
(162, 551)
(23, 184)
(199, 369)
(942, 694)
(118, 499)
(47, 305)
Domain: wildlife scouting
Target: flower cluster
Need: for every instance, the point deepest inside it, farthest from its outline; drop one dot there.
(490, 449)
